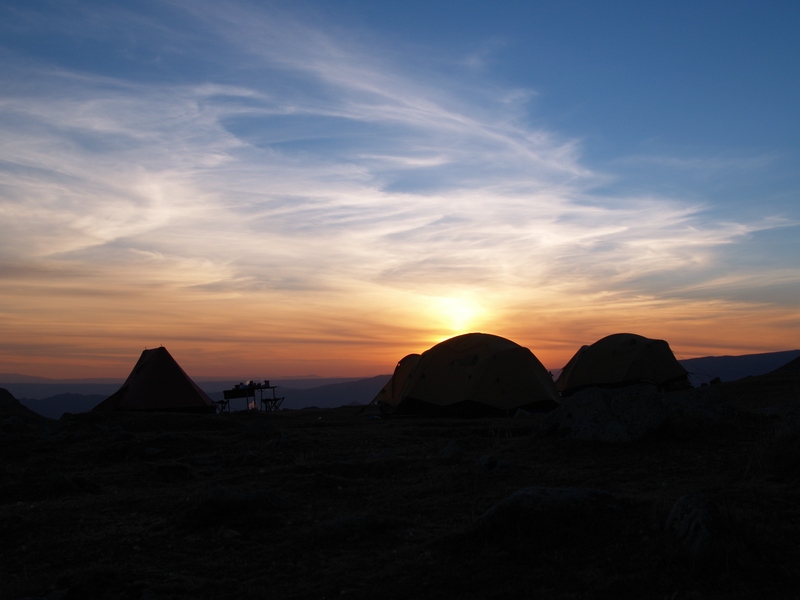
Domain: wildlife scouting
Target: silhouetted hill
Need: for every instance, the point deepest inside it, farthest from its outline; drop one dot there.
(52, 387)
(11, 407)
(348, 391)
(361, 391)
(730, 368)
(790, 368)
(55, 406)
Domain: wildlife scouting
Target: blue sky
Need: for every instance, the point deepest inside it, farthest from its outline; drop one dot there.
(356, 180)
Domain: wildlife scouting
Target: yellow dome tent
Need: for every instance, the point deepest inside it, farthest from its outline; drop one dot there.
(622, 359)
(475, 374)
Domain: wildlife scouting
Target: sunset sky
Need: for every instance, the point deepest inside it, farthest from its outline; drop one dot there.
(272, 189)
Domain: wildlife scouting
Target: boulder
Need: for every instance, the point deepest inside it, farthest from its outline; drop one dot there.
(609, 415)
(626, 414)
(451, 451)
(701, 407)
(694, 527)
(549, 511)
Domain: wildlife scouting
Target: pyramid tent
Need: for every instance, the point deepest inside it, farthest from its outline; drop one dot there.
(157, 383)
(475, 374)
(623, 359)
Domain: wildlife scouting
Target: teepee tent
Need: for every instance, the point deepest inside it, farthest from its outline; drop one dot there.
(475, 374)
(622, 359)
(157, 383)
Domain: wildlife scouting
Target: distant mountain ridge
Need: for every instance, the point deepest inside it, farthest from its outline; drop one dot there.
(332, 395)
(55, 406)
(52, 404)
(730, 368)
(20, 378)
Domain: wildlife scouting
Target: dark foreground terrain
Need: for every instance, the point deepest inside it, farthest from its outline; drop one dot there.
(328, 504)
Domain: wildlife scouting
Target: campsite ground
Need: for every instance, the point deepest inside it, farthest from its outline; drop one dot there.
(328, 504)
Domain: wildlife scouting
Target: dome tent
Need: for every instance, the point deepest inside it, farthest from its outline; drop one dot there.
(392, 392)
(157, 383)
(623, 359)
(475, 374)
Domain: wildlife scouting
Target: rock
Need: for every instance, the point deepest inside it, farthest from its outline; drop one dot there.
(173, 471)
(486, 463)
(694, 527)
(609, 415)
(250, 459)
(521, 413)
(790, 414)
(12, 448)
(229, 504)
(355, 527)
(781, 451)
(87, 485)
(629, 413)
(54, 595)
(152, 451)
(57, 485)
(122, 435)
(698, 408)
(14, 424)
(260, 429)
(562, 513)
(148, 594)
(224, 499)
(489, 464)
(226, 533)
(452, 450)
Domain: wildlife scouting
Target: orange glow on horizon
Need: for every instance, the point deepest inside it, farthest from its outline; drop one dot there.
(248, 338)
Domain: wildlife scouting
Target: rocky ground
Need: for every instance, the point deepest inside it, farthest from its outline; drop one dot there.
(698, 502)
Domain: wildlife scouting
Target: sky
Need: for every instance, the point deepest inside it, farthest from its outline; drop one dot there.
(274, 189)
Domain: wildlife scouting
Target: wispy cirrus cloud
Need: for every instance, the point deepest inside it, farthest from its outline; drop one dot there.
(294, 161)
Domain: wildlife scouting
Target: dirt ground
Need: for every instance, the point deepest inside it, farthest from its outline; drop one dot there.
(330, 504)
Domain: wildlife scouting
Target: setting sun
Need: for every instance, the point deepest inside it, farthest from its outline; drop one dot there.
(458, 314)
